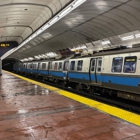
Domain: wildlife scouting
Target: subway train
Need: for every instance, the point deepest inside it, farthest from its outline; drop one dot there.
(112, 72)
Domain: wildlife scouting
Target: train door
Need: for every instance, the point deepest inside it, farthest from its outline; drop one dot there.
(99, 70)
(95, 70)
(65, 69)
(49, 68)
(38, 67)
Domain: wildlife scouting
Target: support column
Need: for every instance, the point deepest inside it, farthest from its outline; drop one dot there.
(0, 67)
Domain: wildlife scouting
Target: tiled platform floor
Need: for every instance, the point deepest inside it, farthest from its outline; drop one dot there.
(30, 112)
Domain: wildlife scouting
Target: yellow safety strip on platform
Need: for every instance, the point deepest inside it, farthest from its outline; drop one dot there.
(114, 111)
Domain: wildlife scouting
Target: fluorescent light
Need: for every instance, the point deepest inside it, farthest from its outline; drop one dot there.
(63, 13)
(78, 48)
(105, 42)
(54, 20)
(83, 47)
(78, 2)
(72, 7)
(39, 31)
(45, 26)
(137, 35)
(127, 37)
(129, 46)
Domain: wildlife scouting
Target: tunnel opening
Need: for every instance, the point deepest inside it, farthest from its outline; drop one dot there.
(8, 63)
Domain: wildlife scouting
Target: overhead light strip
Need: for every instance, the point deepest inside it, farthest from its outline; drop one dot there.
(137, 35)
(127, 37)
(105, 42)
(60, 15)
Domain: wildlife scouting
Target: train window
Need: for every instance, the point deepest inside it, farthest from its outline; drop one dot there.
(28, 66)
(31, 66)
(38, 65)
(130, 64)
(55, 66)
(92, 64)
(43, 66)
(72, 65)
(79, 65)
(24, 65)
(66, 65)
(99, 64)
(117, 64)
(60, 66)
(50, 65)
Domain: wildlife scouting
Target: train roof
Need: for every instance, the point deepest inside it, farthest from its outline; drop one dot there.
(110, 52)
(101, 53)
(120, 51)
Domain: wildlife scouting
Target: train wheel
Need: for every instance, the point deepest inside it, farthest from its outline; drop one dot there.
(91, 90)
(56, 81)
(63, 83)
(78, 88)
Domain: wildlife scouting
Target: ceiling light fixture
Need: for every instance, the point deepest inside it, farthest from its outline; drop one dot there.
(54, 20)
(137, 35)
(127, 37)
(105, 42)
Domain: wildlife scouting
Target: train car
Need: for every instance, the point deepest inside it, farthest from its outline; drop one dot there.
(113, 72)
(16, 67)
(58, 71)
(20, 67)
(43, 69)
(35, 68)
(121, 74)
(23, 67)
(29, 68)
(78, 72)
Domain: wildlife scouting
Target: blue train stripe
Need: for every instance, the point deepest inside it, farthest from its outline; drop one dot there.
(44, 72)
(35, 71)
(28, 70)
(57, 73)
(23, 69)
(120, 80)
(78, 75)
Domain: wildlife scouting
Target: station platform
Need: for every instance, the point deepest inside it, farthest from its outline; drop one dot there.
(30, 110)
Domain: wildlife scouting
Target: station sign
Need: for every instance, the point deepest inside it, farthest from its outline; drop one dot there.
(4, 45)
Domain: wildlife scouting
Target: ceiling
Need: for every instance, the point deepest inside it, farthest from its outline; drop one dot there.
(20, 18)
(92, 21)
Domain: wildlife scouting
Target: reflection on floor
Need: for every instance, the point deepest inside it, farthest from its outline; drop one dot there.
(30, 112)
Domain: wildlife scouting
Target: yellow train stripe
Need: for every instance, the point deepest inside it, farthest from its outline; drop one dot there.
(114, 111)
